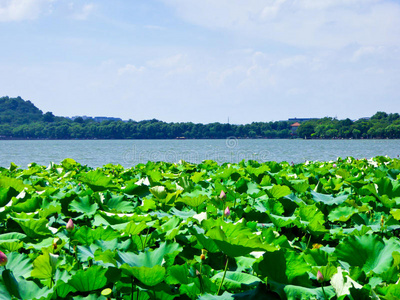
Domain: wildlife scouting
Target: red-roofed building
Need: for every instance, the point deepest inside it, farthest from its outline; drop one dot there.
(295, 126)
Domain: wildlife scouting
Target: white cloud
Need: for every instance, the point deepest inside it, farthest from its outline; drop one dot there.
(302, 23)
(83, 12)
(19, 10)
(130, 69)
(167, 62)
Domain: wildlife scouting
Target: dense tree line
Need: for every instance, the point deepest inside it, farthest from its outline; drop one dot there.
(20, 119)
(381, 125)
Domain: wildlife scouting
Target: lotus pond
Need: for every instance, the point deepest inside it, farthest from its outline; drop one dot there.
(316, 230)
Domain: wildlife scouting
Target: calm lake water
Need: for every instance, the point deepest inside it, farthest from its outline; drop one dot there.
(96, 153)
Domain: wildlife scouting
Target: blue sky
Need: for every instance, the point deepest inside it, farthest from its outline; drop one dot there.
(203, 61)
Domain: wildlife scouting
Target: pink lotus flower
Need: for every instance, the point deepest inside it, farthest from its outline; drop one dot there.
(70, 225)
(320, 277)
(3, 259)
(222, 196)
(334, 165)
(227, 211)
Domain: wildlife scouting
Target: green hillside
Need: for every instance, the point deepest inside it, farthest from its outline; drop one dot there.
(17, 111)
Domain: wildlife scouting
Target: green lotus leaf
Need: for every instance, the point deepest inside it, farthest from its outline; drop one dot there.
(44, 266)
(293, 292)
(159, 192)
(117, 203)
(84, 205)
(178, 274)
(236, 280)
(16, 184)
(134, 228)
(87, 236)
(342, 213)
(148, 276)
(166, 251)
(282, 266)
(11, 284)
(20, 264)
(328, 199)
(69, 163)
(369, 252)
(90, 279)
(239, 245)
(11, 237)
(96, 180)
(85, 253)
(193, 199)
(34, 228)
(132, 189)
(279, 191)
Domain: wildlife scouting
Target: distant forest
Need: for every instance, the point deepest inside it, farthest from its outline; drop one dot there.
(21, 119)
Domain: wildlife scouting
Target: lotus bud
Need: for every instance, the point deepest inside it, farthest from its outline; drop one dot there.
(334, 165)
(70, 225)
(227, 212)
(3, 259)
(202, 257)
(222, 196)
(320, 277)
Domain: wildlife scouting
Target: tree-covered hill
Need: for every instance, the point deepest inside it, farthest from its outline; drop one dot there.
(21, 119)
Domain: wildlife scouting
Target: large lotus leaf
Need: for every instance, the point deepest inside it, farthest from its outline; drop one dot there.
(279, 191)
(4, 196)
(84, 205)
(34, 228)
(85, 253)
(29, 205)
(148, 276)
(159, 192)
(328, 199)
(236, 280)
(11, 284)
(263, 204)
(239, 245)
(369, 252)
(342, 213)
(194, 199)
(132, 189)
(118, 203)
(293, 292)
(117, 221)
(69, 164)
(4, 294)
(166, 251)
(11, 237)
(48, 209)
(91, 279)
(178, 274)
(96, 180)
(44, 266)
(342, 283)
(282, 266)
(20, 264)
(280, 221)
(87, 236)
(16, 184)
(30, 290)
(387, 186)
(62, 288)
(134, 228)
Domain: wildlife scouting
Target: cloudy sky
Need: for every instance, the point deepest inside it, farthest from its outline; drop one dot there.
(203, 60)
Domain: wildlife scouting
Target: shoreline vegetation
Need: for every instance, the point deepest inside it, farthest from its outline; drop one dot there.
(22, 120)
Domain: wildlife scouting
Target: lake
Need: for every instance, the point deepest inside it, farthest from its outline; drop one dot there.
(96, 153)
